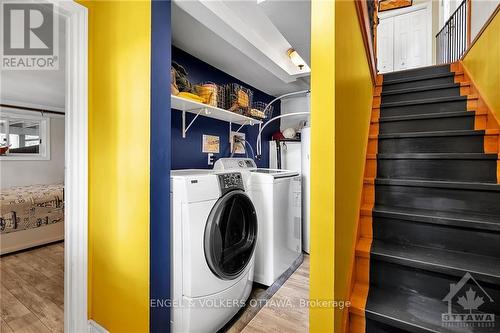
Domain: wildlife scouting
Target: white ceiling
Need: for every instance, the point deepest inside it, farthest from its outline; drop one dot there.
(35, 88)
(247, 40)
(242, 38)
(293, 20)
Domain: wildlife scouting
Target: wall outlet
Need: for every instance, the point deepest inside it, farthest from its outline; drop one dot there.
(210, 159)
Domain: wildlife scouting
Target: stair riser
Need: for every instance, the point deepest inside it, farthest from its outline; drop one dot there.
(392, 276)
(418, 95)
(484, 171)
(441, 199)
(414, 73)
(428, 125)
(436, 236)
(405, 110)
(418, 84)
(446, 144)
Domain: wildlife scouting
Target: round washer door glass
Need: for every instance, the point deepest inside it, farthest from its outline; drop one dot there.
(230, 235)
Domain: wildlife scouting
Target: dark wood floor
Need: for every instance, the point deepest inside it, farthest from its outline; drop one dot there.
(32, 290)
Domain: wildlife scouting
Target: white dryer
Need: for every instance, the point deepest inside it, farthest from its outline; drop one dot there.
(214, 234)
(276, 195)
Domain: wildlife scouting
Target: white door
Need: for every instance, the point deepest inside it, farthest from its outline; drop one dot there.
(404, 40)
(385, 45)
(401, 42)
(419, 27)
(410, 40)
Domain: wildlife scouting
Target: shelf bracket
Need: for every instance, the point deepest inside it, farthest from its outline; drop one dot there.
(247, 122)
(239, 128)
(184, 128)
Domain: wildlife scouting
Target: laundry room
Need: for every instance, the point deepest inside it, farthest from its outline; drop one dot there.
(240, 106)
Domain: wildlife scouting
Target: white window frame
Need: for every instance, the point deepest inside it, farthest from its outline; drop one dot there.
(44, 150)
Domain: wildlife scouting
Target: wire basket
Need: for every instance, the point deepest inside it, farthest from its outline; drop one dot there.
(238, 99)
(221, 96)
(208, 91)
(257, 110)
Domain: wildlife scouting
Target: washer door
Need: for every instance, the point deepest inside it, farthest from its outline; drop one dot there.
(230, 235)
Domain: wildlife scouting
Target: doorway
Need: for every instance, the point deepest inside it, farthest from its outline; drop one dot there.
(51, 130)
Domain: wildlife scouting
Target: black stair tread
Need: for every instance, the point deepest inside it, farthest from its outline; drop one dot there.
(438, 156)
(439, 184)
(456, 263)
(417, 78)
(410, 72)
(412, 312)
(467, 220)
(424, 101)
(418, 89)
(431, 134)
(428, 116)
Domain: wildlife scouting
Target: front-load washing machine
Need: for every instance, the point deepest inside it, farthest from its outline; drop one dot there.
(214, 234)
(276, 195)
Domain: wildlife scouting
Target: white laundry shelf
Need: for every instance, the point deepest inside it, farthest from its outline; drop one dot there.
(200, 109)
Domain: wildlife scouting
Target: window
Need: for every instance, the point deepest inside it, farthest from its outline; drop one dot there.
(24, 137)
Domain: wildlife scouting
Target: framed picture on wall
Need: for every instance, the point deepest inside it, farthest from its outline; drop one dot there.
(385, 5)
(210, 144)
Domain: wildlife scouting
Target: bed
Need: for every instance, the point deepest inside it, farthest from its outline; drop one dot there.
(31, 216)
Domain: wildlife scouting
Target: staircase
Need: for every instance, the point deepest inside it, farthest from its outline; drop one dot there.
(428, 243)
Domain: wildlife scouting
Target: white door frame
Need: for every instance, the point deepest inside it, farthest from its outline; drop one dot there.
(76, 166)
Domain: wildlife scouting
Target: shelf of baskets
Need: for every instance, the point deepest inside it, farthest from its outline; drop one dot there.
(200, 109)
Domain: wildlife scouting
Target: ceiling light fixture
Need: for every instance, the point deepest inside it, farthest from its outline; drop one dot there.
(296, 58)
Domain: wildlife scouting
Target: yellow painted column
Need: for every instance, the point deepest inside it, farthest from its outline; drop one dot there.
(353, 106)
(119, 130)
(322, 164)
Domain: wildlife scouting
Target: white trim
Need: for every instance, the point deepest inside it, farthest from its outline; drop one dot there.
(14, 113)
(401, 11)
(96, 328)
(31, 105)
(76, 167)
(27, 113)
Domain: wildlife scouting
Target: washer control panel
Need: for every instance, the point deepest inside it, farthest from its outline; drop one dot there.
(230, 181)
(234, 163)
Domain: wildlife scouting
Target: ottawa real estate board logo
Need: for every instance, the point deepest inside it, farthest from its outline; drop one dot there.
(30, 36)
(469, 305)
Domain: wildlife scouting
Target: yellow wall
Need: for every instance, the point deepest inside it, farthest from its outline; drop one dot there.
(353, 100)
(483, 64)
(322, 162)
(119, 107)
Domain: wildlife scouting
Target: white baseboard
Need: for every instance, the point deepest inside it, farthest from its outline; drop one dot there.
(96, 328)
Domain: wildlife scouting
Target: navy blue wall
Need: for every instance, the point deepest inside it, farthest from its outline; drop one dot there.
(159, 237)
(186, 153)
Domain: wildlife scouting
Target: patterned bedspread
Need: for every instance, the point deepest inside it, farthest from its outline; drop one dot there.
(26, 207)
